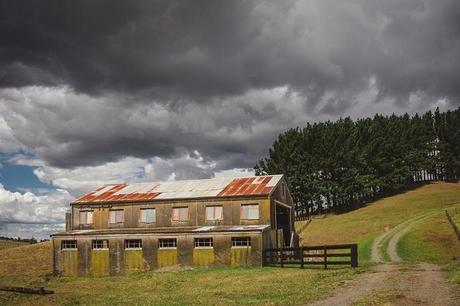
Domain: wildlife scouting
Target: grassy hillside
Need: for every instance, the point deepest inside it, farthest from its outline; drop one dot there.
(364, 224)
(6, 244)
(31, 266)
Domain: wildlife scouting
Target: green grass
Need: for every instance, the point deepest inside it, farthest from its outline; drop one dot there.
(31, 266)
(361, 225)
(433, 240)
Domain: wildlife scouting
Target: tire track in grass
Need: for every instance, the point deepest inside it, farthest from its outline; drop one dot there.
(378, 242)
(392, 245)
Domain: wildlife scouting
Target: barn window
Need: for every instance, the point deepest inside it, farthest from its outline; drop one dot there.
(241, 241)
(100, 244)
(203, 242)
(249, 211)
(167, 243)
(283, 191)
(180, 214)
(214, 213)
(86, 217)
(116, 216)
(148, 215)
(68, 244)
(133, 244)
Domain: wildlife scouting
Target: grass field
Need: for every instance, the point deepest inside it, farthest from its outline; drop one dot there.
(364, 224)
(6, 244)
(31, 266)
(429, 240)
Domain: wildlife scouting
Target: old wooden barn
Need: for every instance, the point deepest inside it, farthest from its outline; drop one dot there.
(120, 228)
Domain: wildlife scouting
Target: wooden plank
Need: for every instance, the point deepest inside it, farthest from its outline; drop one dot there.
(40, 290)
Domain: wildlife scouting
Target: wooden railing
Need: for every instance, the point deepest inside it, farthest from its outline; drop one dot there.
(313, 255)
(454, 226)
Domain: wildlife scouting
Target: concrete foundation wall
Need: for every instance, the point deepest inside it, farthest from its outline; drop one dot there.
(85, 261)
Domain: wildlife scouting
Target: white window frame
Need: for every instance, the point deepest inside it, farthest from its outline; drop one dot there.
(117, 211)
(204, 243)
(167, 243)
(144, 210)
(130, 242)
(173, 215)
(86, 213)
(247, 217)
(213, 209)
(95, 244)
(241, 242)
(64, 247)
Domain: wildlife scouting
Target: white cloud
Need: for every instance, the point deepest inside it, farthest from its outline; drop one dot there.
(27, 207)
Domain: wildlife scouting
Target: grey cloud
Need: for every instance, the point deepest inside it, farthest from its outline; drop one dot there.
(166, 78)
(177, 49)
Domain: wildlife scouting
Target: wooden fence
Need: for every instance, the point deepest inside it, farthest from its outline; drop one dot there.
(454, 226)
(313, 255)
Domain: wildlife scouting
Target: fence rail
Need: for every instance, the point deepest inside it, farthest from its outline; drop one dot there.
(454, 225)
(313, 255)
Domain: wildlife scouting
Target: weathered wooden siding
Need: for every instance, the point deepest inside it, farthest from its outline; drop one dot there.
(197, 213)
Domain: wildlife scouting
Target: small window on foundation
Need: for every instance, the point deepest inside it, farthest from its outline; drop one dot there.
(100, 244)
(133, 244)
(241, 241)
(203, 243)
(69, 244)
(167, 243)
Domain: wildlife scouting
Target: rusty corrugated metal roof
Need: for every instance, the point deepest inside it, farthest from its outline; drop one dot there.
(215, 187)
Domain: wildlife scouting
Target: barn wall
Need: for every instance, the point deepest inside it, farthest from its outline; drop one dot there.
(116, 260)
(197, 213)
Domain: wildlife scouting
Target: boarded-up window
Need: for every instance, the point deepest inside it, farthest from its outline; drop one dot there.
(167, 243)
(86, 217)
(148, 215)
(249, 212)
(100, 244)
(214, 213)
(116, 216)
(68, 244)
(180, 214)
(241, 241)
(203, 242)
(133, 244)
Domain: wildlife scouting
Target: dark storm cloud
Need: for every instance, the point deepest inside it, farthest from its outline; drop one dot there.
(165, 78)
(175, 48)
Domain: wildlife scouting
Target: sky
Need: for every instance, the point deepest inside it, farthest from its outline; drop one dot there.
(95, 92)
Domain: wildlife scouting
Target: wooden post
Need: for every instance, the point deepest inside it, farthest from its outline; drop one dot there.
(325, 258)
(281, 258)
(301, 258)
(354, 255)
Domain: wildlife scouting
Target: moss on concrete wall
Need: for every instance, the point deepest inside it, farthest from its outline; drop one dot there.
(203, 257)
(100, 263)
(134, 261)
(166, 257)
(240, 256)
(69, 263)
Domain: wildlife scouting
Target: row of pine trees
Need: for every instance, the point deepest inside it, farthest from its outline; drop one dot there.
(339, 166)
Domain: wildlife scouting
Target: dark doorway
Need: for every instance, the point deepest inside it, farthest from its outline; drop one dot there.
(283, 222)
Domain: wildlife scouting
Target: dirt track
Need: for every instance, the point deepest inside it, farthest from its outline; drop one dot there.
(394, 283)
